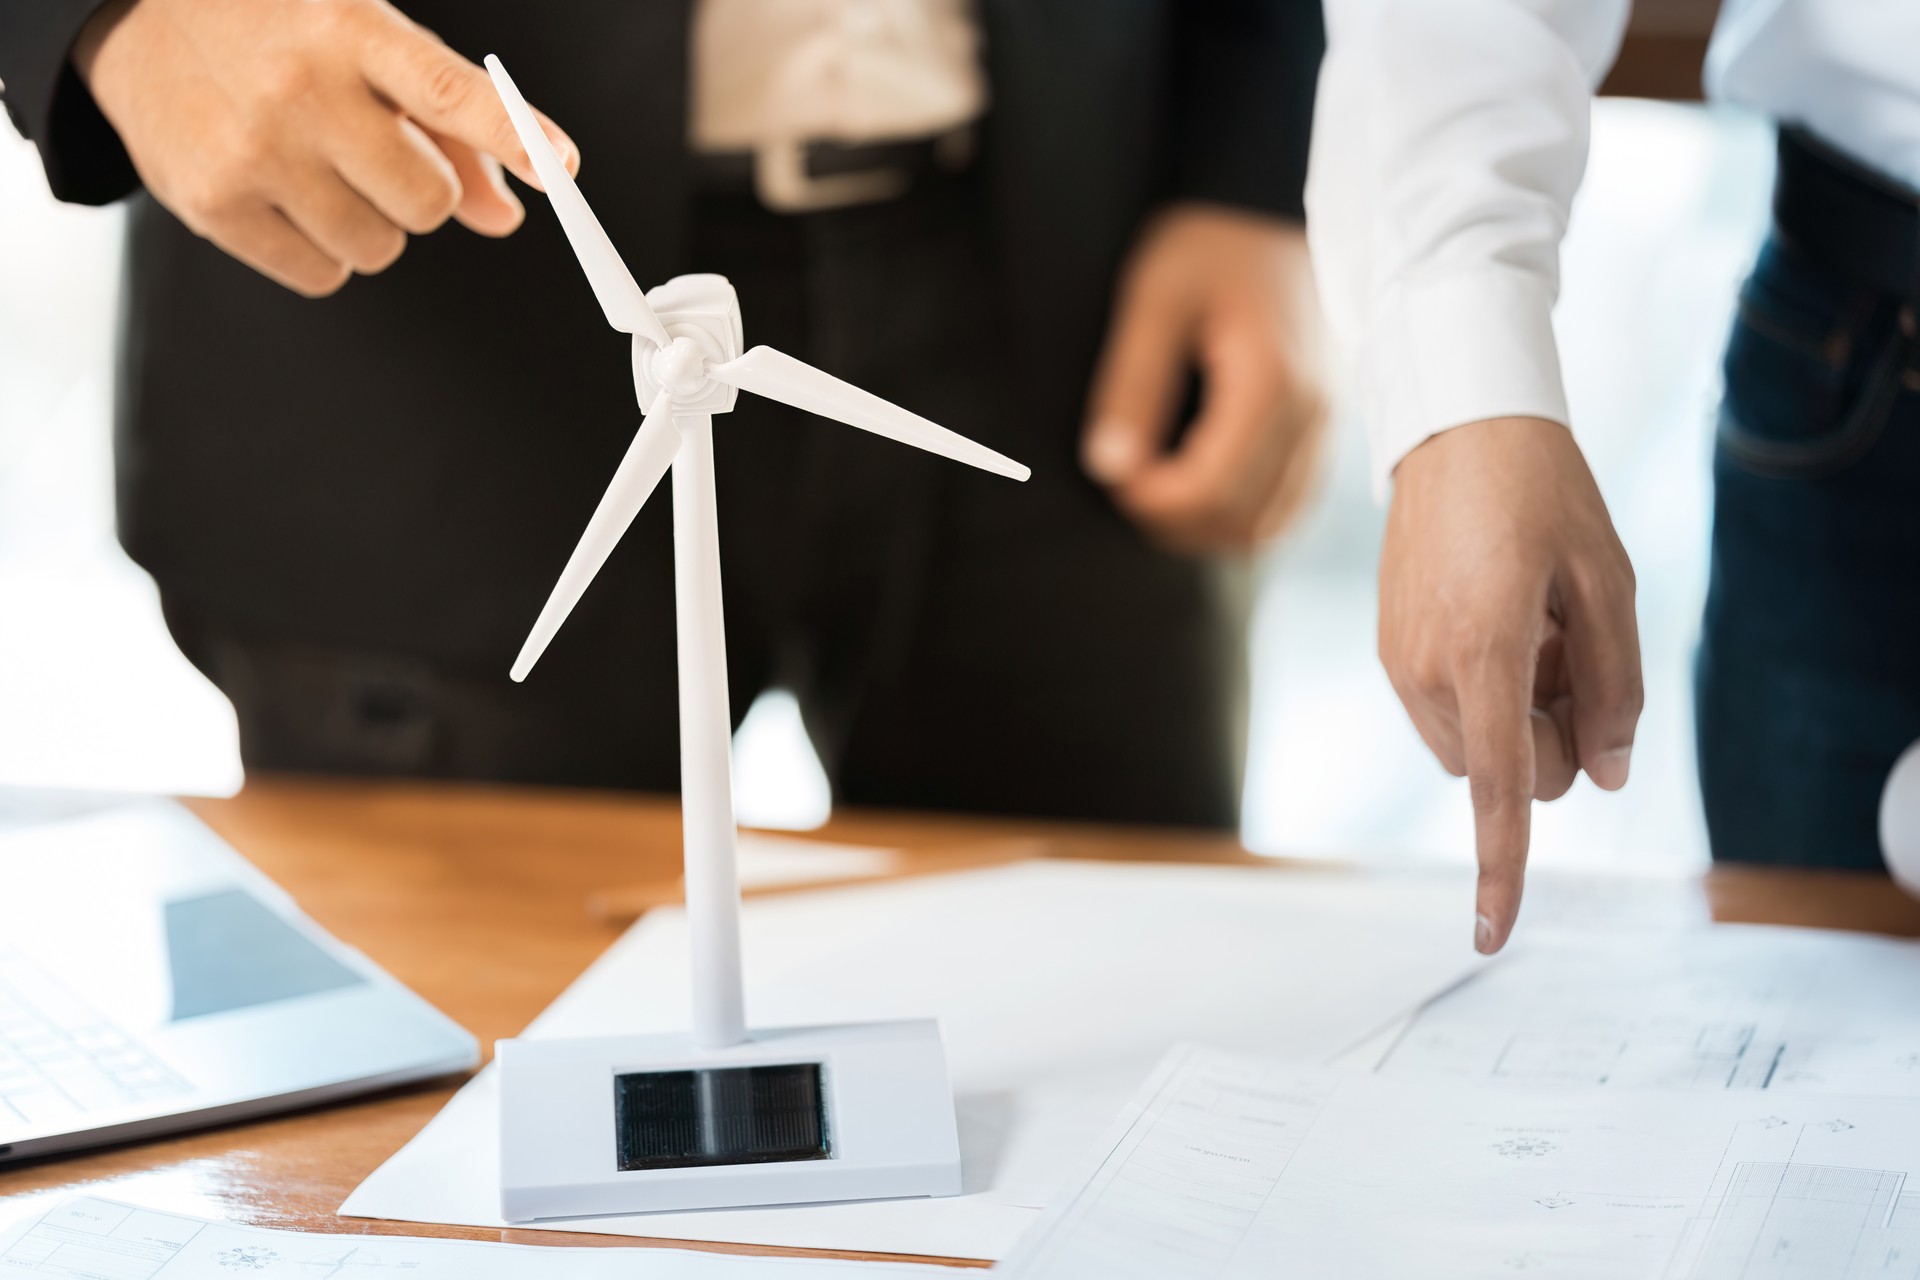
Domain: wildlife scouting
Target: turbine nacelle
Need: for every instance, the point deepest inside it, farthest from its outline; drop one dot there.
(701, 316)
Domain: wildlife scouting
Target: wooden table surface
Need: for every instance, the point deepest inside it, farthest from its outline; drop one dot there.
(478, 898)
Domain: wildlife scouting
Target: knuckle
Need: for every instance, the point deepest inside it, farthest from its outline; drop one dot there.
(1468, 642)
(390, 252)
(284, 78)
(206, 198)
(328, 18)
(210, 227)
(350, 17)
(1429, 677)
(1632, 700)
(1608, 581)
(428, 201)
(315, 278)
(1613, 695)
(248, 148)
(382, 250)
(1489, 793)
(1414, 667)
(324, 284)
(447, 86)
(1629, 580)
(1623, 565)
(1478, 644)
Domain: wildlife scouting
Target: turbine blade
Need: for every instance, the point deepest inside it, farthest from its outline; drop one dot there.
(620, 297)
(779, 376)
(648, 458)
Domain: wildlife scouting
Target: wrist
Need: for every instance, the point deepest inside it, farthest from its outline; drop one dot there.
(1487, 436)
(1508, 461)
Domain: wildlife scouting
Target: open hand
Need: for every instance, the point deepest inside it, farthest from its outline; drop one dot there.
(1507, 627)
(306, 139)
(1230, 294)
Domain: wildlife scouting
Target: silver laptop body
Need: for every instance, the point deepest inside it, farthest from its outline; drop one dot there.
(151, 980)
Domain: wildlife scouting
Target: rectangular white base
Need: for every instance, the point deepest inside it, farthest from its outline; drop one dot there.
(887, 1104)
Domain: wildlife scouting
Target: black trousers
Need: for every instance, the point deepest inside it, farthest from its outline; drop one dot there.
(955, 640)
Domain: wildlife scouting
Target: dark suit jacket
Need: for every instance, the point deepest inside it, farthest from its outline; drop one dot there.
(402, 465)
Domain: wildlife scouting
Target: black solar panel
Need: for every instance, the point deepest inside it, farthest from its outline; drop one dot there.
(726, 1115)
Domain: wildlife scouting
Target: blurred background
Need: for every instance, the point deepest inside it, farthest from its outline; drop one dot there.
(94, 695)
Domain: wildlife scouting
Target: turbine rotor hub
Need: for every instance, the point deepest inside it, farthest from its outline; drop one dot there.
(680, 368)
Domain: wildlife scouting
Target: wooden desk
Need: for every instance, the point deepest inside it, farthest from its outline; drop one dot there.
(477, 899)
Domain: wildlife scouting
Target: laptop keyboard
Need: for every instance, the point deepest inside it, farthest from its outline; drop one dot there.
(60, 1060)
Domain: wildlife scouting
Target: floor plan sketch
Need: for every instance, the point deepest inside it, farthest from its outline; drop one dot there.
(1201, 1160)
(1230, 1169)
(1730, 1007)
(1788, 1221)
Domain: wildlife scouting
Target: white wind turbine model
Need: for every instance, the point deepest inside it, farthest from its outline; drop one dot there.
(721, 1116)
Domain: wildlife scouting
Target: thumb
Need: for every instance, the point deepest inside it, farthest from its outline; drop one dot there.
(1141, 373)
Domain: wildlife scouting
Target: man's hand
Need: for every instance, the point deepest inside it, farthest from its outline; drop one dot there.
(1232, 295)
(307, 138)
(1507, 628)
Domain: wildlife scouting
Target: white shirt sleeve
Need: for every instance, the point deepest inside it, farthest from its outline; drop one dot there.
(1449, 139)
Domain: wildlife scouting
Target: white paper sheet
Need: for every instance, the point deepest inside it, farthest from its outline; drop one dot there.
(1229, 1168)
(1058, 985)
(1559, 904)
(1566, 910)
(1731, 1007)
(106, 1240)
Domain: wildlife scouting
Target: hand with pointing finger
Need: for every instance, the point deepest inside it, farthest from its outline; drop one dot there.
(1507, 627)
(306, 139)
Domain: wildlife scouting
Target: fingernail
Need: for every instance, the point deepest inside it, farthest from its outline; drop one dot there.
(1610, 770)
(1111, 453)
(1483, 935)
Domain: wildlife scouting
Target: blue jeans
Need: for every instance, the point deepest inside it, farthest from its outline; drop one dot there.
(1808, 676)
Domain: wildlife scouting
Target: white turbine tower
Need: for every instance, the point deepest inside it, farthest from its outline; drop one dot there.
(722, 1116)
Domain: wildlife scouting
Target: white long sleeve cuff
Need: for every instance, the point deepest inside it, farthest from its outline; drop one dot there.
(1456, 349)
(1449, 139)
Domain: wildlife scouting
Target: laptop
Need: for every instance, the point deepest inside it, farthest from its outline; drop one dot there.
(151, 980)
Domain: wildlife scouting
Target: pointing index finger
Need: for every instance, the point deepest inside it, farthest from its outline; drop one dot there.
(1496, 709)
(442, 91)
